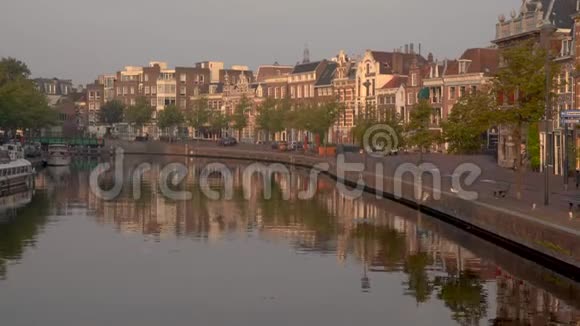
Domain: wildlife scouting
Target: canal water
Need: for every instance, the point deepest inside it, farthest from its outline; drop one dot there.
(69, 257)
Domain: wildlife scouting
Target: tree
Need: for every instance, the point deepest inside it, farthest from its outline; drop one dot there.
(12, 69)
(139, 114)
(419, 134)
(470, 118)
(169, 118)
(111, 112)
(521, 86)
(218, 121)
(269, 117)
(22, 106)
(240, 118)
(199, 115)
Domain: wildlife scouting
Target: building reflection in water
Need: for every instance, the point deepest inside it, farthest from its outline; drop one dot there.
(382, 236)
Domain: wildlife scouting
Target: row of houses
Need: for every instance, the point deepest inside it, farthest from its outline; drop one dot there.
(378, 82)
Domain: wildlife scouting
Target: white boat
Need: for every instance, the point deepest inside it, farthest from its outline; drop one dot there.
(15, 175)
(58, 155)
(14, 151)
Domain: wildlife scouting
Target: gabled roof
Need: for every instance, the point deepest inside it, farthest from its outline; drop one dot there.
(271, 71)
(327, 75)
(396, 82)
(306, 67)
(390, 60)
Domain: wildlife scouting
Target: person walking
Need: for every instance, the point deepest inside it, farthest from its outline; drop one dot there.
(577, 179)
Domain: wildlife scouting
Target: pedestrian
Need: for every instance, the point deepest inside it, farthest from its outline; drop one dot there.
(577, 179)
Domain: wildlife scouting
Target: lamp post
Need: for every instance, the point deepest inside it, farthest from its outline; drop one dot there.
(546, 32)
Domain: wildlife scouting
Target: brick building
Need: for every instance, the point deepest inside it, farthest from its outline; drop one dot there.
(527, 25)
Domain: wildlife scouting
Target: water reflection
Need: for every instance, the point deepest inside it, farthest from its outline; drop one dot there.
(477, 282)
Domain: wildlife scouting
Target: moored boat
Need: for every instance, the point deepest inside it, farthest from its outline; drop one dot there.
(58, 155)
(15, 175)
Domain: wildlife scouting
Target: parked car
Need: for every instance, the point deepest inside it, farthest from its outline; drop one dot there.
(228, 141)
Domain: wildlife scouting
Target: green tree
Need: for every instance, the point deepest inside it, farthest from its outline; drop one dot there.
(22, 106)
(169, 118)
(270, 119)
(240, 116)
(218, 122)
(523, 78)
(12, 69)
(198, 117)
(470, 118)
(313, 117)
(111, 112)
(419, 134)
(139, 114)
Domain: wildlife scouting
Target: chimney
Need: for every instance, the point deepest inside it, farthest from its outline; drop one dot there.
(412, 48)
(406, 48)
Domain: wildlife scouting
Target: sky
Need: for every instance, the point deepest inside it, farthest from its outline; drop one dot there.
(80, 39)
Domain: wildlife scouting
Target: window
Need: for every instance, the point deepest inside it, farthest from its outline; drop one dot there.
(153, 90)
(132, 101)
(452, 91)
(153, 101)
(125, 90)
(413, 80)
(461, 91)
(147, 89)
(146, 77)
(182, 90)
(119, 92)
(182, 78)
(292, 92)
(299, 94)
(182, 103)
(311, 90)
(132, 90)
(368, 68)
(473, 89)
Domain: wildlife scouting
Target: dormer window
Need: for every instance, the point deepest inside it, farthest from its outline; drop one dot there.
(463, 66)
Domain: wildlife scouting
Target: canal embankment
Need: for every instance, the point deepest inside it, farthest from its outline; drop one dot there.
(545, 235)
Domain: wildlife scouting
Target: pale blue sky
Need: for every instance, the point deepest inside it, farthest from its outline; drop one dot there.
(79, 39)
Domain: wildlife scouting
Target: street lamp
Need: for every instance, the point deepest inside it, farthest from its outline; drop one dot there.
(546, 32)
